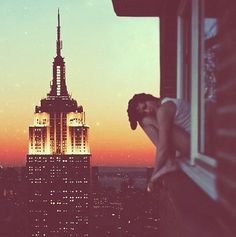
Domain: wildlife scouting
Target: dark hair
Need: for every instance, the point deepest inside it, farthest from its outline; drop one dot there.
(135, 117)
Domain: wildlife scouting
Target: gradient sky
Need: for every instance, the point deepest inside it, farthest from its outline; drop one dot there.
(108, 59)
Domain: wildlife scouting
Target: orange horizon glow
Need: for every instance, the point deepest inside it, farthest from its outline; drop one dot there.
(104, 153)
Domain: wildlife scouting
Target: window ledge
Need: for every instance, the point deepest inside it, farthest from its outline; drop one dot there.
(203, 178)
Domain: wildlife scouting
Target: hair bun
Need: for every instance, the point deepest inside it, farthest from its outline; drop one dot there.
(133, 125)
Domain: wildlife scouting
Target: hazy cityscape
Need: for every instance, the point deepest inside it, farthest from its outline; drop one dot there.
(119, 203)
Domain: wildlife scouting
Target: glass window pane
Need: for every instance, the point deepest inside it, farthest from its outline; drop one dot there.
(186, 36)
(208, 79)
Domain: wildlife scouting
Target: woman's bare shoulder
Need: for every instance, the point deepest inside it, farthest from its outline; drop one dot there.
(168, 108)
(169, 104)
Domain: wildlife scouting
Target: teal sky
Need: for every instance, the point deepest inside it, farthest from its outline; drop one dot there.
(108, 59)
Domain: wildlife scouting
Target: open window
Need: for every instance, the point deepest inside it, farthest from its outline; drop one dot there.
(206, 78)
(196, 63)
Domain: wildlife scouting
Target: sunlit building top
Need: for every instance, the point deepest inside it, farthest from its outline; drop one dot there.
(59, 122)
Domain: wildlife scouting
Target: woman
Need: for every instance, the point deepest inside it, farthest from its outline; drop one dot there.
(167, 123)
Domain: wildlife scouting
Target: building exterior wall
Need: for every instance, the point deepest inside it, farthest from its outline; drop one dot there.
(58, 194)
(226, 111)
(198, 55)
(168, 49)
(185, 210)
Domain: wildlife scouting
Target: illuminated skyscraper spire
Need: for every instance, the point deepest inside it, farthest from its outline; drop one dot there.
(59, 42)
(58, 85)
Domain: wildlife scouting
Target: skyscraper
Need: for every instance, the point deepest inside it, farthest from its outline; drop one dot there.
(58, 161)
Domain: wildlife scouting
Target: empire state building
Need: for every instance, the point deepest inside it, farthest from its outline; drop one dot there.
(58, 161)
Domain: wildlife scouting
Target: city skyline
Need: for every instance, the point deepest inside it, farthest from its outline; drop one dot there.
(95, 67)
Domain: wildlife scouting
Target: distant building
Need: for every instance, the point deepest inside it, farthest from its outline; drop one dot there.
(13, 203)
(58, 161)
(123, 208)
(95, 178)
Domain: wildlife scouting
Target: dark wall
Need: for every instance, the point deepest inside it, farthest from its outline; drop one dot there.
(226, 109)
(168, 48)
(186, 211)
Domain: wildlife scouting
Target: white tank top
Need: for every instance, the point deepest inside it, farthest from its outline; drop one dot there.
(182, 115)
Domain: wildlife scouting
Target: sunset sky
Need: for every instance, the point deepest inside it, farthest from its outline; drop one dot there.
(108, 59)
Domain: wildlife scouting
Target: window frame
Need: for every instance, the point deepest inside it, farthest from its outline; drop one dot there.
(181, 51)
(199, 167)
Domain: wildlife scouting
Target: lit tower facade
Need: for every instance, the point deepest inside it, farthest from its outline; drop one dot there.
(58, 161)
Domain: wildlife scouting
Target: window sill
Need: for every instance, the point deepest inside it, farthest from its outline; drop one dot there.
(206, 180)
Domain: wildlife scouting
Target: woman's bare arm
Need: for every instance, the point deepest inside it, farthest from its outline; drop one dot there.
(165, 116)
(150, 130)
